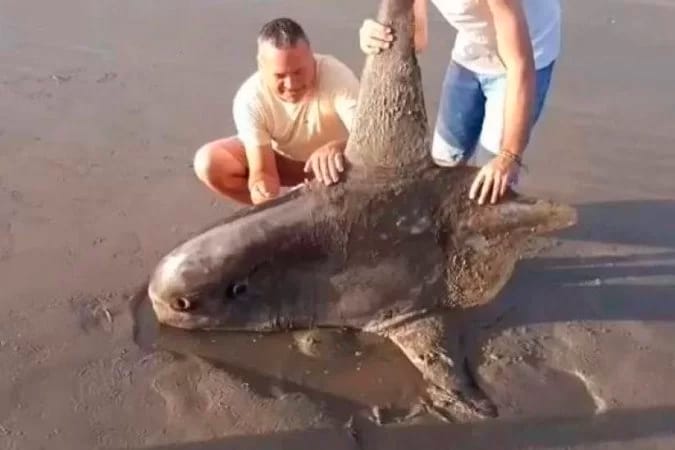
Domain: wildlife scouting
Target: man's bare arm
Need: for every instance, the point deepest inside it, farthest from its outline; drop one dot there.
(263, 179)
(421, 36)
(515, 50)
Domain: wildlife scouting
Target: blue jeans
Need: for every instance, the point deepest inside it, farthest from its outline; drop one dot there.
(471, 112)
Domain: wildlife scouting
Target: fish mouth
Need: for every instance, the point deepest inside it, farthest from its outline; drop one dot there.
(194, 320)
(184, 320)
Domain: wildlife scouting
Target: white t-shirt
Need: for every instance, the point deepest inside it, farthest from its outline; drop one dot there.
(476, 46)
(295, 130)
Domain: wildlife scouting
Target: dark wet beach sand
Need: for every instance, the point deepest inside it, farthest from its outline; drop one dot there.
(102, 105)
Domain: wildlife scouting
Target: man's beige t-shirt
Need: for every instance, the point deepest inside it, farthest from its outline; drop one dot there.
(296, 130)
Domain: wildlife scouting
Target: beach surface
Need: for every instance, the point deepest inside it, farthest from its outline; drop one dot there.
(102, 106)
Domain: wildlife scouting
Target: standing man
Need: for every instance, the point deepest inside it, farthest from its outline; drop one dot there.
(495, 85)
(293, 117)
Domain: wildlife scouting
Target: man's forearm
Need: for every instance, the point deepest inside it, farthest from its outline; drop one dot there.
(518, 109)
(420, 36)
(515, 50)
(336, 144)
(260, 161)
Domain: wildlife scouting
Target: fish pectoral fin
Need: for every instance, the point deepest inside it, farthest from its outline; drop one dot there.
(437, 354)
(459, 405)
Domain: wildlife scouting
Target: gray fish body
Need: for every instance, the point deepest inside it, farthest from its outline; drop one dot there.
(393, 249)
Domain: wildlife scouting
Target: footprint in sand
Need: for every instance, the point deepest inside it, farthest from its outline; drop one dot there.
(535, 390)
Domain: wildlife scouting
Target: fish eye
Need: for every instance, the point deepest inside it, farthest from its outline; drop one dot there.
(234, 290)
(182, 304)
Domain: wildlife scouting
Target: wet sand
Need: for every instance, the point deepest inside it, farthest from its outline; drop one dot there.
(102, 105)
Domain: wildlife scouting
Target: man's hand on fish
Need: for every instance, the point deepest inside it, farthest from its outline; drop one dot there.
(327, 163)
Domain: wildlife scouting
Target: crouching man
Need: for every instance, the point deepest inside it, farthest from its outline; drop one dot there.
(292, 116)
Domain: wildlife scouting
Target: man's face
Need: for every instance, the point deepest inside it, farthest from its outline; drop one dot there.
(290, 72)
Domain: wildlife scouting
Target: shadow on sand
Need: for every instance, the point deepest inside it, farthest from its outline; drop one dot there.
(600, 284)
(643, 223)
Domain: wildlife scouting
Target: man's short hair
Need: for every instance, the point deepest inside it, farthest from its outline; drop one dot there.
(282, 33)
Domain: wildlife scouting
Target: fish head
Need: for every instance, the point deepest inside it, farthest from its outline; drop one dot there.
(246, 274)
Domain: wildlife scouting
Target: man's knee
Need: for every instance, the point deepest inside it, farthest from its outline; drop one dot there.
(202, 162)
(219, 161)
(444, 154)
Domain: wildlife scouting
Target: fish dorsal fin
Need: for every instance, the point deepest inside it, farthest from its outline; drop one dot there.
(390, 129)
